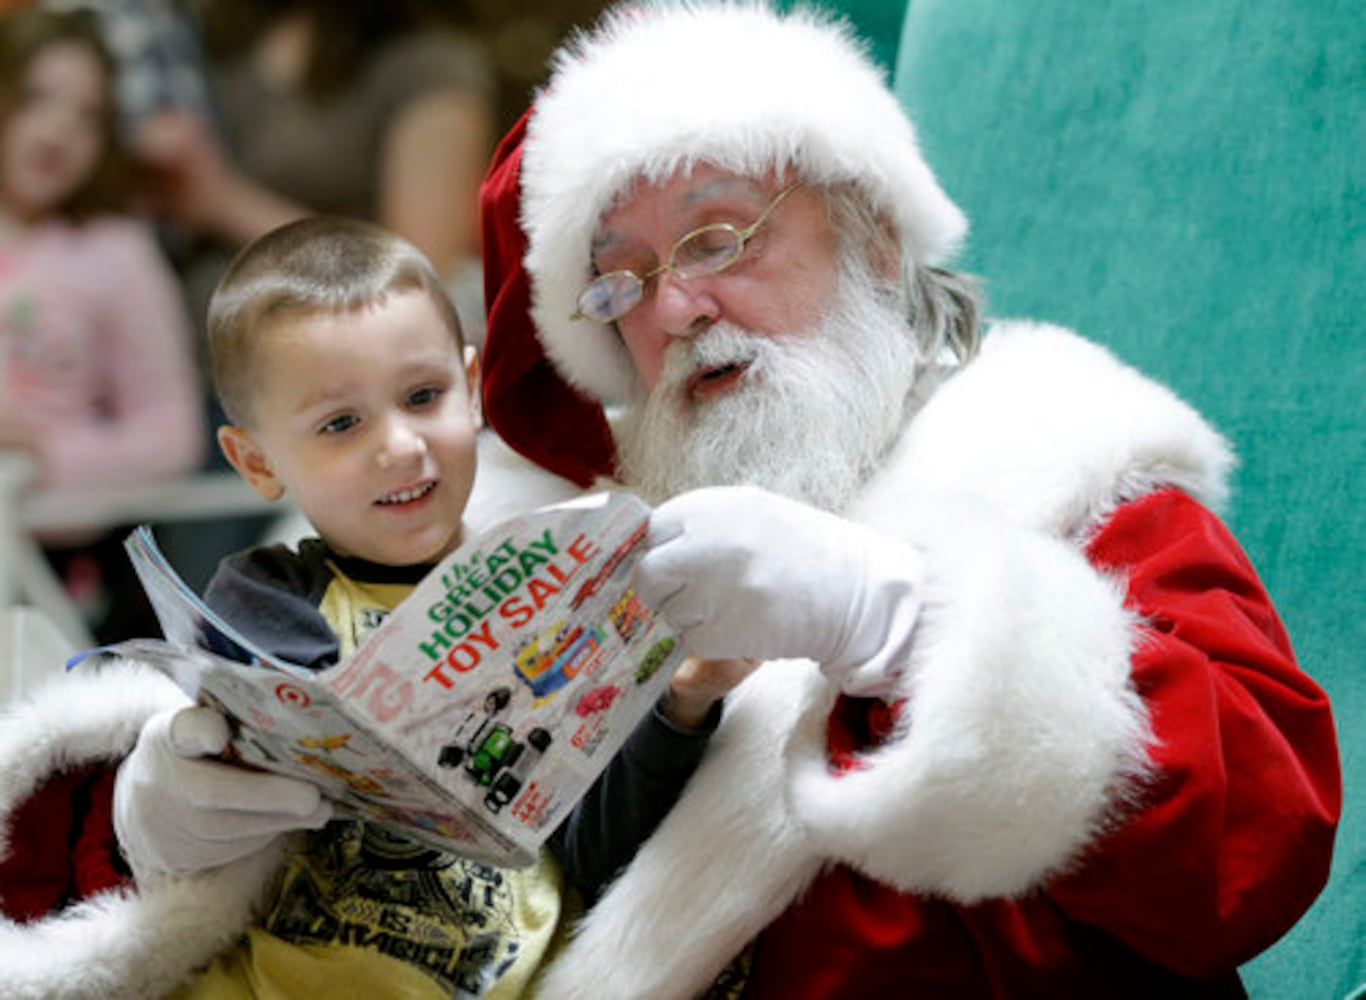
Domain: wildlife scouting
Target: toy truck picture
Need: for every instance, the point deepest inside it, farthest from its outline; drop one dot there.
(554, 658)
(654, 659)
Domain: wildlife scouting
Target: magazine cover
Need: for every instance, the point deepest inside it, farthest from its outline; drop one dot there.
(479, 711)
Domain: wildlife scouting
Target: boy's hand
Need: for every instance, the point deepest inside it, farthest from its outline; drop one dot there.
(698, 684)
(741, 572)
(177, 812)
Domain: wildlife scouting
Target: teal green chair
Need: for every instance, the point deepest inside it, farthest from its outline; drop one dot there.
(1183, 180)
(877, 22)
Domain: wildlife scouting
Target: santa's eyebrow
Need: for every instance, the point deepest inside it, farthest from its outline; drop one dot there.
(713, 188)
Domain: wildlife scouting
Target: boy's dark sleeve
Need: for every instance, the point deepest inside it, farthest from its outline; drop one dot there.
(271, 595)
(629, 800)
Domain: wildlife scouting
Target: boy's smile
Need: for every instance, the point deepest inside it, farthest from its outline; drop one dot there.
(365, 419)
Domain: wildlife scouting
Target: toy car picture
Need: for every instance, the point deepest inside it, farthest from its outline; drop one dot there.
(613, 563)
(598, 699)
(628, 615)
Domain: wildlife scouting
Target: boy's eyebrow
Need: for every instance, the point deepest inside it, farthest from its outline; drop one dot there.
(326, 396)
(418, 368)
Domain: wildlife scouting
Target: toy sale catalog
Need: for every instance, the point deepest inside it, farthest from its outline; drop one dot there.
(479, 711)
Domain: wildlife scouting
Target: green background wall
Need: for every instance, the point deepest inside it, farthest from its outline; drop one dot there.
(878, 22)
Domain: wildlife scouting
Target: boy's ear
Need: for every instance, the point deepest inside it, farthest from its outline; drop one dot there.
(472, 382)
(250, 461)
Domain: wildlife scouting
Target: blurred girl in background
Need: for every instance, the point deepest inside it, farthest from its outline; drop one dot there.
(97, 377)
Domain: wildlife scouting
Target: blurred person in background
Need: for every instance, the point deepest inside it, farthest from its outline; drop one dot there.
(373, 111)
(97, 379)
(159, 59)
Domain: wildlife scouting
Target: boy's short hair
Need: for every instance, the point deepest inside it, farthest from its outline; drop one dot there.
(318, 264)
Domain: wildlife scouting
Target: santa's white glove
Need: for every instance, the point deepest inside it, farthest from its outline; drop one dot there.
(743, 573)
(178, 812)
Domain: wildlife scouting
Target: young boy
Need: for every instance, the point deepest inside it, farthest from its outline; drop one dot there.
(339, 360)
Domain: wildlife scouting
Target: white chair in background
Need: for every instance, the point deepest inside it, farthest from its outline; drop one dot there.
(26, 578)
(32, 651)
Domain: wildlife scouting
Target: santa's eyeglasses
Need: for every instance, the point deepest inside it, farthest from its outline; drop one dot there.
(705, 250)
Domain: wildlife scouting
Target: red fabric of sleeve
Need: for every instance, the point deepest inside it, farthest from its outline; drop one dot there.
(1230, 840)
(98, 864)
(61, 845)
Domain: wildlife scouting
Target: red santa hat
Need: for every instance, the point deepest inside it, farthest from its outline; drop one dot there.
(652, 90)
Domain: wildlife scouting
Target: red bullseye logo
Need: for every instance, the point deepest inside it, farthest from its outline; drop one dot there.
(292, 696)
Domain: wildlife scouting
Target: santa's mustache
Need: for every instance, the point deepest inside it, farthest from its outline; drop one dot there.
(722, 348)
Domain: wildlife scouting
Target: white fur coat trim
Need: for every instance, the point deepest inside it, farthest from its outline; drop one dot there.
(1054, 432)
(729, 858)
(1022, 735)
(118, 944)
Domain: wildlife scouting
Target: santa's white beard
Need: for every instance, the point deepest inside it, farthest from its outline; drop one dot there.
(815, 413)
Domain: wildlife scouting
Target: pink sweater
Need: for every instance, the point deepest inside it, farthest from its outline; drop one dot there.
(96, 354)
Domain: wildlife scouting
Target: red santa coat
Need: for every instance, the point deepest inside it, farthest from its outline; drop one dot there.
(1104, 773)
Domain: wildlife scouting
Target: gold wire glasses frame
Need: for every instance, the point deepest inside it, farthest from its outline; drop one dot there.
(706, 250)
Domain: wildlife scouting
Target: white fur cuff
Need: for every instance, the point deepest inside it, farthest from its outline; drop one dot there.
(1020, 723)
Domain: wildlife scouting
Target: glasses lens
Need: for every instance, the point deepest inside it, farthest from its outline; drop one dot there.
(610, 296)
(706, 251)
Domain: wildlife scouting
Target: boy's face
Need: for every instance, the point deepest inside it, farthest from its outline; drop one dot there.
(367, 420)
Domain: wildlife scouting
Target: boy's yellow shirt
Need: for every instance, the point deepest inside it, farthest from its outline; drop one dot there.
(366, 913)
(265, 967)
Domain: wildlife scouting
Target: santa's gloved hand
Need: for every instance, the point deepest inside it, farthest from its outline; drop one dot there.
(743, 573)
(176, 811)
